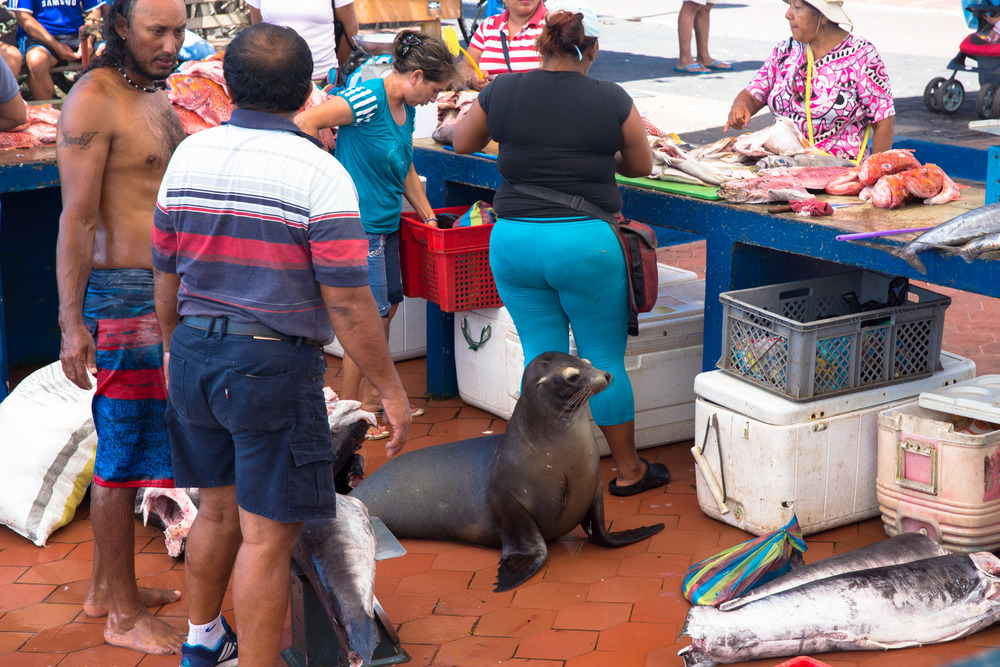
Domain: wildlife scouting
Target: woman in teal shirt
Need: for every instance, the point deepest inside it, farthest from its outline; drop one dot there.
(375, 145)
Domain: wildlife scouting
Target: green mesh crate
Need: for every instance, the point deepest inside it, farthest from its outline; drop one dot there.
(800, 340)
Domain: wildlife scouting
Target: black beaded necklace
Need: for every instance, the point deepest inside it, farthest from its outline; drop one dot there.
(145, 89)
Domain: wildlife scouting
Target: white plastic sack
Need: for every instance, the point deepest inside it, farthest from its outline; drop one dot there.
(47, 445)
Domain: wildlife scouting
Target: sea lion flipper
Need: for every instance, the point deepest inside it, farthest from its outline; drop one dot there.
(516, 569)
(523, 548)
(597, 531)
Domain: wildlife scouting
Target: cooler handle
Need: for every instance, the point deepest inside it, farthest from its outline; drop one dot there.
(484, 335)
(713, 483)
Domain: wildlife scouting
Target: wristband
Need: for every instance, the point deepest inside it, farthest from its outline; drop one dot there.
(428, 220)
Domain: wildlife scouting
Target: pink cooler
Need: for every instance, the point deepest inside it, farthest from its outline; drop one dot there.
(939, 466)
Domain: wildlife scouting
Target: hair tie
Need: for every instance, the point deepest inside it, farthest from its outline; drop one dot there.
(409, 41)
(579, 56)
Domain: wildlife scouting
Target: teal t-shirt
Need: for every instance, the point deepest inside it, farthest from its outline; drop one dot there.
(377, 152)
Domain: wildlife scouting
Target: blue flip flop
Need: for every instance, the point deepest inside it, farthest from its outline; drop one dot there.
(720, 65)
(692, 69)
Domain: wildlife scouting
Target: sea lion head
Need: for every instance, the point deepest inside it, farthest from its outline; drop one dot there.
(560, 383)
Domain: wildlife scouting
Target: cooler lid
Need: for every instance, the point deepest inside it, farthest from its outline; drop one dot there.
(748, 399)
(978, 398)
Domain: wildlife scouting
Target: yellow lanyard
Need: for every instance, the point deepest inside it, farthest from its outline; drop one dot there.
(809, 123)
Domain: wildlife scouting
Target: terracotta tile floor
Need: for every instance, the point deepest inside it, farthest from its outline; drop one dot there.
(588, 607)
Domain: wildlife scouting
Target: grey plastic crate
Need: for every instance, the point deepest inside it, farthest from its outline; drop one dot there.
(799, 339)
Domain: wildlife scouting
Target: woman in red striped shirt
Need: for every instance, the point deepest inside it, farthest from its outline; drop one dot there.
(505, 43)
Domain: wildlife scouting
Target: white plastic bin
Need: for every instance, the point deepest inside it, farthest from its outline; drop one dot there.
(661, 361)
(407, 334)
(773, 456)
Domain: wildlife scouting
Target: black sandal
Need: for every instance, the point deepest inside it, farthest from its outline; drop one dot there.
(656, 475)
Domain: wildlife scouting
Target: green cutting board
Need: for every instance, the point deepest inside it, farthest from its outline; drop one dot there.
(699, 191)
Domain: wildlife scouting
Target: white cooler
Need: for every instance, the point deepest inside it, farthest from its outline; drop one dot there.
(407, 333)
(662, 361)
(817, 459)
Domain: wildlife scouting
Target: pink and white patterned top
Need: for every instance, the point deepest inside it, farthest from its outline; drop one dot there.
(850, 90)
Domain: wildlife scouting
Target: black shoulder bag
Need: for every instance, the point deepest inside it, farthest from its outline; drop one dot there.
(637, 240)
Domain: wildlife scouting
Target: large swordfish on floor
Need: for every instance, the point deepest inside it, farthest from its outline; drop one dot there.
(927, 601)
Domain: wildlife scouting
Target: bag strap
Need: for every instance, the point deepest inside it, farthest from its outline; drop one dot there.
(506, 52)
(575, 202)
(339, 32)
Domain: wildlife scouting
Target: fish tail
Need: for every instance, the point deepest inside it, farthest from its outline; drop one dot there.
(907, 255)
(966, 255)
(904, 253)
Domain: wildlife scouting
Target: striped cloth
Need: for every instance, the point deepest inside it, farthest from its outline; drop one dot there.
(523, 55)
(252, 218)
(731, 573)
(130, 398)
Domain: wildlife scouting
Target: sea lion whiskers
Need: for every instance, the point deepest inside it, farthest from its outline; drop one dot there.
(576, 400)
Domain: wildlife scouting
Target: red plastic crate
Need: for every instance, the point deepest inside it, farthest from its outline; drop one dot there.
(449, 267)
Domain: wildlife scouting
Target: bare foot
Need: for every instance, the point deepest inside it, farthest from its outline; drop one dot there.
(96, 602)
(147, 633)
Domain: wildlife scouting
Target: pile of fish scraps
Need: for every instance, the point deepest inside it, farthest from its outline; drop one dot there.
(770, 165)
(778, 164)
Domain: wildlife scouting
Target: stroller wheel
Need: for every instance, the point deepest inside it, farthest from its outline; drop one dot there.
(984, 100)
(950, 96)
(995, 110)
(930, 93)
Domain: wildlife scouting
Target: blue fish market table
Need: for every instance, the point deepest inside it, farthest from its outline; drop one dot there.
(745, 245)
(30, 204)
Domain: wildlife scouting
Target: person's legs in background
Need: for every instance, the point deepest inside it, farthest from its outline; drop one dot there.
(695, 17)
(12, 56)
(686, 22)
(40, 63)
(385, 279)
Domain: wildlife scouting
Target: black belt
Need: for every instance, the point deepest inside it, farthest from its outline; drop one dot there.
(225, 327)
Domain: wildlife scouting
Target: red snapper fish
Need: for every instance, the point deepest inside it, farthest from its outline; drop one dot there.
(878, 165)
(845, 184)
(197, 92)
(924, 182)
(890, 191)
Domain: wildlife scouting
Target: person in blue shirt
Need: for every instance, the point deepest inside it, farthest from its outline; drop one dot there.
(48, 33)
(375, 145)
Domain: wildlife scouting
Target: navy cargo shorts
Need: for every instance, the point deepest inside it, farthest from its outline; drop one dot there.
(248, 411)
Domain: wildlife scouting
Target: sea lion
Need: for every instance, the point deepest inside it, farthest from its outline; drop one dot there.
(514, 490)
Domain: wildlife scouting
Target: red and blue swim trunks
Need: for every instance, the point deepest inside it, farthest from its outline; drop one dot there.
(132, 445)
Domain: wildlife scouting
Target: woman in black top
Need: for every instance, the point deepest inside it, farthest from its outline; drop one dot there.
(554, 267)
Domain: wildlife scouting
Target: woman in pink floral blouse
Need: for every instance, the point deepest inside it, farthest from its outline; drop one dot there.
(846, 84)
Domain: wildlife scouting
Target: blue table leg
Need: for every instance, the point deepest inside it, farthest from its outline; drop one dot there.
(442, 379)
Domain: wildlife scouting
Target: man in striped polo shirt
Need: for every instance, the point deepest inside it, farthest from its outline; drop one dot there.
(505, 42)
(257, 248)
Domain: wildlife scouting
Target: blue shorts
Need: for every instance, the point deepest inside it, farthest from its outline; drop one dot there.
(384, 274)
(250, 412)
(26, 43)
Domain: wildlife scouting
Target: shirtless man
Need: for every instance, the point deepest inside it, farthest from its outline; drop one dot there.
(116, 134)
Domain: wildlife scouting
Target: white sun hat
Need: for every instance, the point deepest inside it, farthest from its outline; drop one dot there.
(591, 28)
(831, 9)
